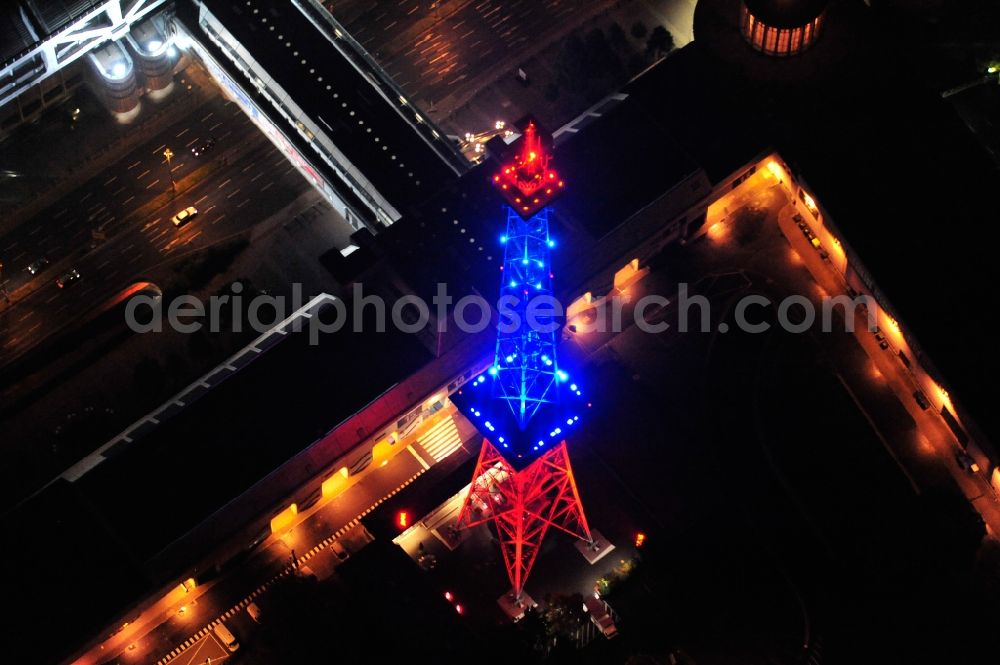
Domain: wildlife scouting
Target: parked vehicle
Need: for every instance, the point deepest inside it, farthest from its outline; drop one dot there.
(339, 550)
(254, 612)
(600, 615)
(226, 636)
(966, 462)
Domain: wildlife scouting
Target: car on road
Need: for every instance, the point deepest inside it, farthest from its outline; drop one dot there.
(202, 147)
(38, 265)
(184, 216)
(254, 611)
(68, 279)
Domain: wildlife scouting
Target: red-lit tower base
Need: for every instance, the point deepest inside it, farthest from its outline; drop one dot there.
(523, 505)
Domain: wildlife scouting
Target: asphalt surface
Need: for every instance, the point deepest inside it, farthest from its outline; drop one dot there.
(239, 182)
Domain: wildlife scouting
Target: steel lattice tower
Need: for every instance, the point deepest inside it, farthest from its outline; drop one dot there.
(525, 367)
(530, 486)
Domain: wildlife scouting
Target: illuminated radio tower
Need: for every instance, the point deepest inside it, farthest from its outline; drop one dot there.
(523, 481)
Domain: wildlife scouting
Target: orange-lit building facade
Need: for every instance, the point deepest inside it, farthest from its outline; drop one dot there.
(772, 35)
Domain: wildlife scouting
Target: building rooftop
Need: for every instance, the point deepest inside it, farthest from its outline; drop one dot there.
(15, 34)
(346, 105)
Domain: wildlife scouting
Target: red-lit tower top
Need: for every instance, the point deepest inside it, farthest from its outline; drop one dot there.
(528, 182)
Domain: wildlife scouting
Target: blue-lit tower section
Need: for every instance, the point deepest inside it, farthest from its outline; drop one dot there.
(526, 373)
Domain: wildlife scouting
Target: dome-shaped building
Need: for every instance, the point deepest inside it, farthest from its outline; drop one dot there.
(781, 27)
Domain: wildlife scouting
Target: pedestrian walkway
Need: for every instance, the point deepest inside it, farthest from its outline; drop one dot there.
(441, 440)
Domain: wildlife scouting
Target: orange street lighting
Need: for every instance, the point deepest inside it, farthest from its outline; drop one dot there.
(168, 154)
(640, 539)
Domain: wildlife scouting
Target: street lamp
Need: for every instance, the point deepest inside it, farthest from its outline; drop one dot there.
(169, 154)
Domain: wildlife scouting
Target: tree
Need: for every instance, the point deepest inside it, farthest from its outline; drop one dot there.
(639, 30)
(660, 41)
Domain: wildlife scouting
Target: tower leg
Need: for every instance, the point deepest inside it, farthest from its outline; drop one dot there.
(523, 505)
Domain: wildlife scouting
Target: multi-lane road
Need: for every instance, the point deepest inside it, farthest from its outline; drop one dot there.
(117, 227)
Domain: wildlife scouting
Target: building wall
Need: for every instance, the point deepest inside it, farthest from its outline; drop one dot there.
(781, 42)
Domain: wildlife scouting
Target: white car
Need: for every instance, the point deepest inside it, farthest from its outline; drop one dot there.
(254, 612)
(184, 216)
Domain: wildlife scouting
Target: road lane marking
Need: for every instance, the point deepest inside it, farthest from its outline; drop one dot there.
(104, 264)
(226, 134)
(210, 209)
(26, 316)
(140, 176)
(86, 196)
(201, 199)
(10, 246)
(151, 224)
(118, 191)
(234, 193)
(224, 184)
(179, 166)
(256, 176)
(133, 166)
(185, 131)
(52, 298)
(215, 126)
(158, 149)
(125, 202)
(134, 259)
(210, 114)
(152, 183)
(264, 188)
(33, 328)
(36, 230)
(247, 168)
(188, 144)
(218, 219)
(245, 201)
(191, 239)
(60, 213)
(19, 256)
(111, 180)
(420, 459)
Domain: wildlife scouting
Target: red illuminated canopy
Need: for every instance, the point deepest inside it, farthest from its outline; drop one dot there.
(529, 181)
